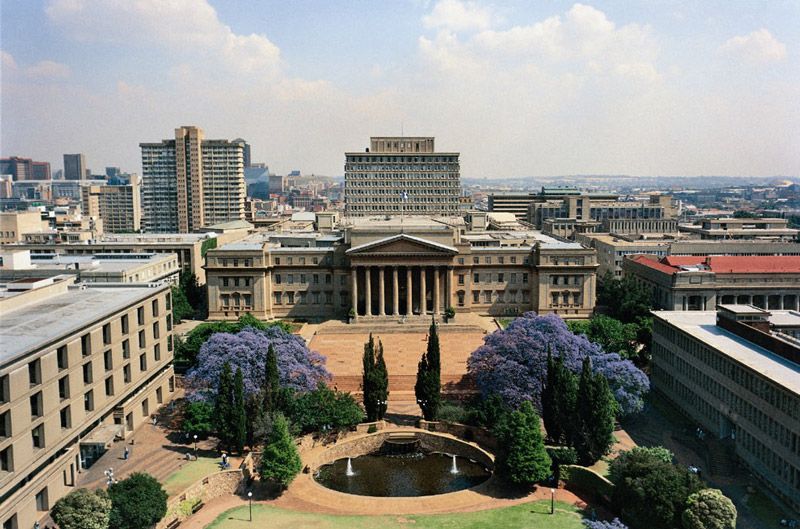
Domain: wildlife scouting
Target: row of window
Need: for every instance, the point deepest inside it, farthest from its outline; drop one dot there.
(303, 279)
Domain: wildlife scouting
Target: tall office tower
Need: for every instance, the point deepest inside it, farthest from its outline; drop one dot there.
(246, 151)
(191, 182)
(118, 205)
(398, 175)
(74, 167)
(22, 169)
(113, 172)
(41, 170)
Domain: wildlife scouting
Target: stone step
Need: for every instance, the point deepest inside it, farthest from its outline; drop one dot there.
(397, 383)
(378, 326)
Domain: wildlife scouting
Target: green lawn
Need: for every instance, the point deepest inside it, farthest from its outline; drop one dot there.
(527, 516)
(189, 473)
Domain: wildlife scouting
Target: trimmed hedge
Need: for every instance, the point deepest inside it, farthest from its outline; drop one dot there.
(586, 480)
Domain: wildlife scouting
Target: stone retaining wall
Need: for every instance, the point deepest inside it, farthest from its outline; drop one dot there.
(222, 483)
(462, 431)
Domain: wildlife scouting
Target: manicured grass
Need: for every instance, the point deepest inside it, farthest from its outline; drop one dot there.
(189, 473)
(527, 516)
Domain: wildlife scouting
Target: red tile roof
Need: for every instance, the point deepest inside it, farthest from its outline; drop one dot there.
(726, 264)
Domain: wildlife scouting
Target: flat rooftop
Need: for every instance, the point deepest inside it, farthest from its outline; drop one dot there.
(33, 326)
(702, 325)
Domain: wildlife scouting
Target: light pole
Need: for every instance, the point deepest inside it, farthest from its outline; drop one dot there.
(552, 501)
(195, 447)
(250, 501)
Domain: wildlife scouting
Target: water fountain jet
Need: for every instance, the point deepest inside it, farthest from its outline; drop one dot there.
(349, 471)
(454, 468)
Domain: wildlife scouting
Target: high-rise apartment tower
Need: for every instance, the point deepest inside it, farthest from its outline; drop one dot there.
(191, 182)
(75, 167)
(399, 175)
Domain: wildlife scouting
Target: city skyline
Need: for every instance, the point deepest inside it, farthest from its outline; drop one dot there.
(519, 90)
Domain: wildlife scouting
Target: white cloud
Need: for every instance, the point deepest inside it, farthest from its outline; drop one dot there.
(457, 15)
(189, 27)
(48, 69)
(7, 61)
(756, 47)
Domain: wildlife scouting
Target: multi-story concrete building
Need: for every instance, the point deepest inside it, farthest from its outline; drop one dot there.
(79, 367)
(119, 205)
(15, 224)
(401, 176)
(698, 283)
(733, 228)
(75, 167)
(736, 372)
(96, 268)
(399, 269)
(22, 169)
(191, 182)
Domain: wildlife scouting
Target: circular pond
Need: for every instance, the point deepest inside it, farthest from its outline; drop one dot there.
(417, 474)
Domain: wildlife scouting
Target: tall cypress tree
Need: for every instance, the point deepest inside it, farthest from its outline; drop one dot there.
(381, 381)
(549, 401)
(238, 417)
(368, 380)
(594, 418)
(558, 401)
(272, 380)
(223, 404)
(428, 387)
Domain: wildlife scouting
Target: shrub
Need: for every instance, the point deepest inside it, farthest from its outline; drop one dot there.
(137, 502)
(522, 458)
(83, 509)
(563, 455)
(599, 524)
(324, 409)
(586, 480)
(198, 418)
(709, 509)
(452, 411)
(372, 428)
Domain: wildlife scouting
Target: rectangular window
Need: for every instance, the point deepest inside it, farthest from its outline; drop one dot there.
(107, 361)
(278, 298)
(290, 279)
(316, 279)
(88, 401)
(126, 373)
(4, 389)
(41, 500)
(501, 278)
(476, 260)
(159, 396)
(487, 260)
(476, 296)
(460, 279)
(156, 331)
(145, 408)
(157, 352)
(86, 345)
(461, 260)
(140, 315)
(37, 435)
(6, 461)
(155, 308)
(126, 348)
(169, 322)
(63, 388)
(143, 362)
(5, 424)
(476, 278)
(35, 372)
(277, 279)
(124, 323)
(61, 357)
(66, 418)
(487, 297)
(513, 259)
(107, 334)
(302, 279)
(501, 259)
(224, 281)
(109, 382)
(277, 260)
(291, 298)
(142, 341)
(524, 278)
(87, 373)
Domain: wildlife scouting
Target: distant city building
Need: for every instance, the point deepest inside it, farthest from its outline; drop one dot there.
(736, 373)
(277, 184)
(117, 204)
(191, 182)
(15, 224)
(734, 228)
(113, 172)
(398, 175)
(245, 151)
(75, 167)
(98, 365)
(691, 282)
(22, 169)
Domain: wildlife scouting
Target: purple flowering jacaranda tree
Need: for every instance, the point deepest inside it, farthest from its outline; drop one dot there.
(300, 368)
(513, 363)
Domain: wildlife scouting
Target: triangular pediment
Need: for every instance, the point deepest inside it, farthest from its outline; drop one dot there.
(402, 244)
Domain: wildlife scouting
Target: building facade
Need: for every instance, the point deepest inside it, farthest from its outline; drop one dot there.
(376, 269)
(701, 283)
(15, 224)
(119, 206)
(98, 364)
(22, 169)
(191, 182)
(401, 176)
(733, 228)
(738, 377)
(75, 167)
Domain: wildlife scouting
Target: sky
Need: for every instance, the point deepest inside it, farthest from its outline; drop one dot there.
(519, 88)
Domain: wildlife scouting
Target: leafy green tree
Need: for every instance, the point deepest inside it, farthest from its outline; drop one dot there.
(522, 458)
(280, 461)
(272, 381)
(709, 509)
(198, 418)
(595, 415)
(181, 309)
(636, 460)
(429, 379)
(649, 492)
(195, 294)
(487, 412)
(613, 335)
(558, 401)
(375, 380)
(381, 374)
(238, 418)
(224, 407)
(137, 502)
(324, 409)
(82, 509)
(625, 299)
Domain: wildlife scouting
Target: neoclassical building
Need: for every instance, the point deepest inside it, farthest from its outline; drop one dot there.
(392, 268)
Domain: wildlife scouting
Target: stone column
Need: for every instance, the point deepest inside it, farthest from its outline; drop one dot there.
(368, 273)
(381, 292)
(436, 290)
(395, 293)
(354, 289)
(423, 302)
(448, 292)
(409, 291)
